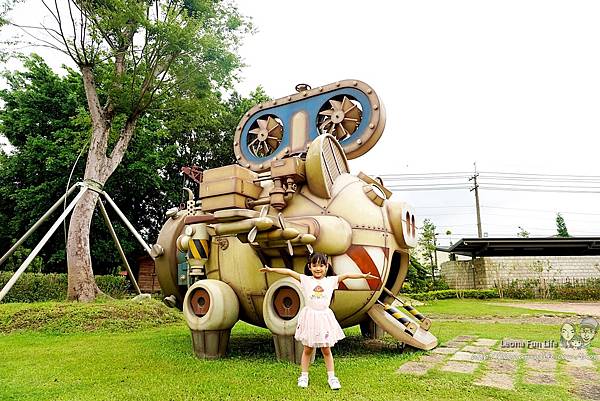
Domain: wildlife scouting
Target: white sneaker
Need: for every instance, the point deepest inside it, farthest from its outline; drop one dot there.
(303, 381)
(334, 383)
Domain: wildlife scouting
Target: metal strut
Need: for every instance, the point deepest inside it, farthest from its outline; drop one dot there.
(84, 186)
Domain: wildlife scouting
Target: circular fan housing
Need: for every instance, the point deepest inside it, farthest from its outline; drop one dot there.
(339, 116)
(264, 136)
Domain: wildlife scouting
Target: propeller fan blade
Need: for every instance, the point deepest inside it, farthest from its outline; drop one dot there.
(252, 234)
(336, 104)
(282, 226)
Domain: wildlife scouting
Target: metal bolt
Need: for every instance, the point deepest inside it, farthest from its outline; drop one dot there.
(371, 125)
(274, 102)
(260, 166)
(337, 84)
(238, 157)
(375, 107)
(304, 94)
(247, 114)
(247, 165)
(369, 91)
(320, 89)
(235, 143)
(354, 83)
(289, 98)
(359, 141)
(287, 150)
(260, 106)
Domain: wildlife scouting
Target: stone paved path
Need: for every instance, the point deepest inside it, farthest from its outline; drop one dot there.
(497, 364)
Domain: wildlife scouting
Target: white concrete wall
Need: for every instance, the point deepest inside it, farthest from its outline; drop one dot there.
(486, 272)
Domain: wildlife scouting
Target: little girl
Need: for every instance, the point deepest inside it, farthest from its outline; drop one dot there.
(317, 326)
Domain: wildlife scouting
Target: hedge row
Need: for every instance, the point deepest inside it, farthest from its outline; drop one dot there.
(447, 294)
(37, 287)
(577, 290)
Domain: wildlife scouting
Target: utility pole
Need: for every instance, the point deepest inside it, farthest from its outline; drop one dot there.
(435, 257)
(475, 188)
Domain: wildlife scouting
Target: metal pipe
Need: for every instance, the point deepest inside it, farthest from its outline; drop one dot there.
(39, 246)
(119, 248)
(128, 224)
(38, 223)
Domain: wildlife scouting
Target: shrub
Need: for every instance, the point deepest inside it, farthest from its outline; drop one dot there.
(447, 294)
(37, 287)
(580, 290)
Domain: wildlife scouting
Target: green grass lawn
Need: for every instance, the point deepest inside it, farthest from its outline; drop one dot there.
(469, 308)
(138, 362)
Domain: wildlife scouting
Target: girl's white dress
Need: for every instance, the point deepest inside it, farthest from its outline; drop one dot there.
(317, 325)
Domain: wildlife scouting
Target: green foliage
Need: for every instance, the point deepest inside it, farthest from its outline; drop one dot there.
(149, 67)
(72, 317)
(561, 226)
(447, 294)
(427, 240)
(579, 290)
(42, 118)
(45, 120)
(36, 287)
(15, 260)
(522, 233)
(417, 276)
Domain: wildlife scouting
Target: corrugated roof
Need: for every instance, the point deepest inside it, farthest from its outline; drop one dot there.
(554, 246)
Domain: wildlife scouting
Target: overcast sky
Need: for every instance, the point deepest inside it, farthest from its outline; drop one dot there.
(511, 85)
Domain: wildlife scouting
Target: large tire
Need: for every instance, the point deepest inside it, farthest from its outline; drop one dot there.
(282, 304)
(210, 305)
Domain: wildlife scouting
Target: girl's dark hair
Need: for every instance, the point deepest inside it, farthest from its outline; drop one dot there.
(318, 258)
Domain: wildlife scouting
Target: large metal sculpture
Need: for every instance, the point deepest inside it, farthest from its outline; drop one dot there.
(290, 194)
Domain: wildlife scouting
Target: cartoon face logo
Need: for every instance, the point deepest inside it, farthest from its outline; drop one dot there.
(578, 337)
(576, 341)
(588, 329)
(567, 332)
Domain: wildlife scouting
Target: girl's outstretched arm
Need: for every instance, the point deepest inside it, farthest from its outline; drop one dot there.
(344, 276)
(285, 272)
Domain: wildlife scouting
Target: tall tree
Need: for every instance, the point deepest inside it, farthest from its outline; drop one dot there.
(561, 226)
(135, 57)
(44, 116)
(427, 243)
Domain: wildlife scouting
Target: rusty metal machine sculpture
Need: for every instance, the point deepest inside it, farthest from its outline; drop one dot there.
(290, 194)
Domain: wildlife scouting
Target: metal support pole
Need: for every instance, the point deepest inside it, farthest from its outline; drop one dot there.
(38, 223)
(128, 224)
(119, 248)
(39, 246)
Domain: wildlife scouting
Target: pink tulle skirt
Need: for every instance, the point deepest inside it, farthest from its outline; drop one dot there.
(318, 328)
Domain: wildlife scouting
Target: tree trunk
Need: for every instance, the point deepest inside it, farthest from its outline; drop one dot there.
(81, 283)
(99, 166)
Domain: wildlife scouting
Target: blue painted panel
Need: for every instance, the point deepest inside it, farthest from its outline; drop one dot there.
(311, 105)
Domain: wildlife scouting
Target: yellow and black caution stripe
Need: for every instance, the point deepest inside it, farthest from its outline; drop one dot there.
(401, 317)
(414, 312)
(198, 248)
(425, 322)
